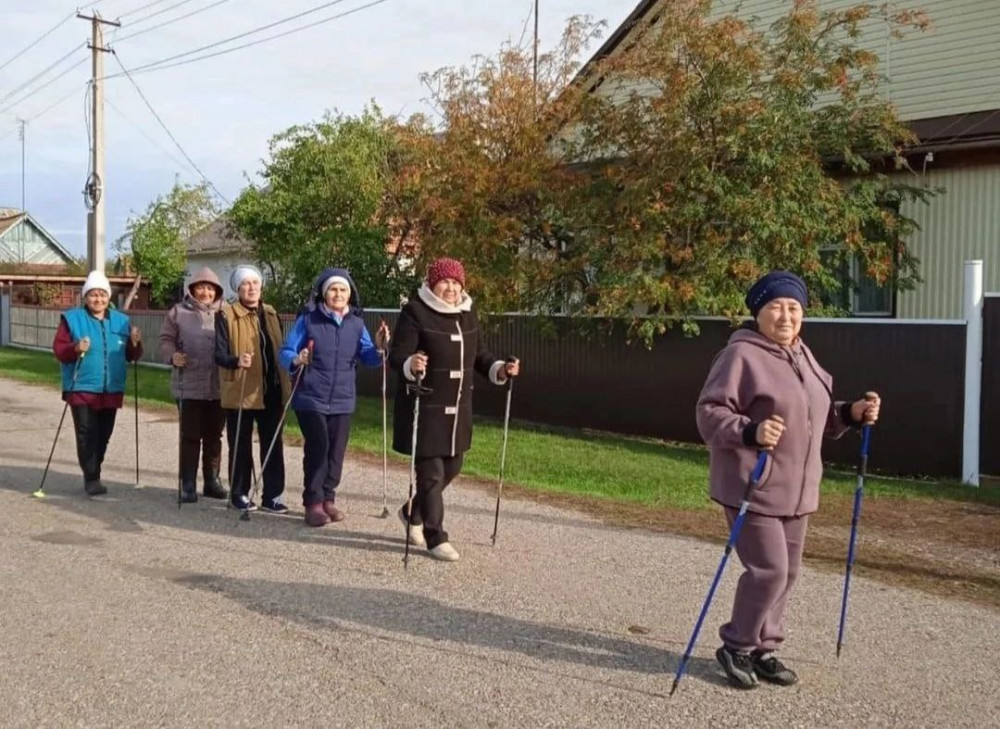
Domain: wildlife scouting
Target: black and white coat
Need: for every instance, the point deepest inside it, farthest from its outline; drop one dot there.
(452, 339)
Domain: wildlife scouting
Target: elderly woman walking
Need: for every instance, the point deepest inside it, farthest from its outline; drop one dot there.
(94, 343)
(438, 336)
(766, 391)
(187, 342)
(253, 387)
(329, 338)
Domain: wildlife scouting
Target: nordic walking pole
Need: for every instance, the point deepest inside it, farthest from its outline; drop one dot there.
(39, 493)
(417, 390)
(385, 442)
(180, 437)
(284, 413)
(503, 458)
(733, 536)
(135, 384)
(236, 436)
(866, 434)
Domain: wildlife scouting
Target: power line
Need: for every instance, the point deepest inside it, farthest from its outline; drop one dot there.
(54, 104)
(167, 9)
(143, 133)
(171, 21)
(163, 64)
(167, 130)
(139, 9)
(41, 73)
(38, 40)
(224, 41)
(43, 86)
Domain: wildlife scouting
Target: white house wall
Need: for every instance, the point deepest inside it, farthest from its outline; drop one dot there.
(222, 264)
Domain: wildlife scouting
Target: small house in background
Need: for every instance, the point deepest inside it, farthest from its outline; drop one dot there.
(24, 242)
(61, 290)
(37, 270)
(219, 246)
(943, 83)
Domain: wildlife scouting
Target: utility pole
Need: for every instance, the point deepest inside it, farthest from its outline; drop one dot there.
(535, 72)
(24, 209)
(93, 191)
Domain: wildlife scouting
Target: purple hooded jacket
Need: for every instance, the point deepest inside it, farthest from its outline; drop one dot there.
(190, 328)
(751, 379)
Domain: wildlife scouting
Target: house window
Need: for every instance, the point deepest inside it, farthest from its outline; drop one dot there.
(858, 293)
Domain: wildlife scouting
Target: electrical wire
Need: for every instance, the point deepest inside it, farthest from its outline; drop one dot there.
(139, 9)
(43, 86)
(238, 36)
(41, 73)
(167, 9)
(163, 125)
(171, 21)
(163, 64)
(38, 40)
(141, 131)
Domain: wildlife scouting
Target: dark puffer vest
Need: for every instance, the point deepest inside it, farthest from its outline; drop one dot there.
(328, 384)
(453, 343)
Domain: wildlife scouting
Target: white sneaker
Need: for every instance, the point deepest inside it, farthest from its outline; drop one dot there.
(445, 552)
(415, 531)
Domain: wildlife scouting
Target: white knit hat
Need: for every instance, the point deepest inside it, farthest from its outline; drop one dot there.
(335, 279)
(96, 280)
(242, 273)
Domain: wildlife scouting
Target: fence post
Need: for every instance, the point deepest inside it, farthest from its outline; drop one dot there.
(972, 312)
(4, 317)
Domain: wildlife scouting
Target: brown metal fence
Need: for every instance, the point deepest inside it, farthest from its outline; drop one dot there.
(587, 375)
(989, 403)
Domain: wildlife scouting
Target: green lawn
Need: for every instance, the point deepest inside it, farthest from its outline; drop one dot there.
(627, 470)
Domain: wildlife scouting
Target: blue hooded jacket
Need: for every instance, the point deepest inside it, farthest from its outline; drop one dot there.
(328, 385)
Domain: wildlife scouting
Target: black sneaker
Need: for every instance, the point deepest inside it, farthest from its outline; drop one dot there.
(769, 668)
(243, 504)
(94, 488)
(274, 506)
(738, 667)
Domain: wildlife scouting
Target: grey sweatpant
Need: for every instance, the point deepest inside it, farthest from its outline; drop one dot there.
(770, 549)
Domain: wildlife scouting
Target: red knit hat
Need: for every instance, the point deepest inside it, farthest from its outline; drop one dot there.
(445, 268)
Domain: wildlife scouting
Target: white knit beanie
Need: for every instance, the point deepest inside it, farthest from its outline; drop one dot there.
(335, 279)
(96, 280)
(242, 273)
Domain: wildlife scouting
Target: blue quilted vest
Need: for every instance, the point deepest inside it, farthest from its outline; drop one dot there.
(329, 383)
(103, 369)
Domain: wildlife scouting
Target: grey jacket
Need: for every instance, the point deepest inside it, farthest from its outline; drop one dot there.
(751, 379)
(190, 328)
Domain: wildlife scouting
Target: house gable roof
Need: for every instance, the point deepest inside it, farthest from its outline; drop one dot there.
(219, 236)
(11, 217)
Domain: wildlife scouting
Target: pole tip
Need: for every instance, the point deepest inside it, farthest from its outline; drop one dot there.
(38, 494)
(673, 688)
(838, 650)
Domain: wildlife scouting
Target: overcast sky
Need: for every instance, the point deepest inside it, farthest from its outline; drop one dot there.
(223, 110)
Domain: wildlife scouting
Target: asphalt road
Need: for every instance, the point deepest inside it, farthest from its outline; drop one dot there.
(126, 611)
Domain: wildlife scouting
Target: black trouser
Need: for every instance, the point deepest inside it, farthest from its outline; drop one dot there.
(433, 476)
(267, 421)
(201, 434)
(93, 431)
(323, 460)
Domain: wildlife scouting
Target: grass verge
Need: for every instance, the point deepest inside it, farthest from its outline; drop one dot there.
(914, 532)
